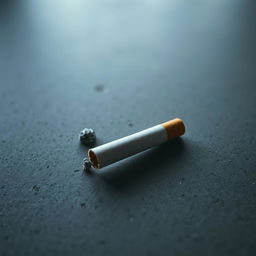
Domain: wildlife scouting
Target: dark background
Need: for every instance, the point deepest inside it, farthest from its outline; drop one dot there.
(120, 67)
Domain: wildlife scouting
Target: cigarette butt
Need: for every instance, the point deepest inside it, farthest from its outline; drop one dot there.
(117, 150)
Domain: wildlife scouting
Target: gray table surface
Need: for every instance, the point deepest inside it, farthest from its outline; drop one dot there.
(120, 67)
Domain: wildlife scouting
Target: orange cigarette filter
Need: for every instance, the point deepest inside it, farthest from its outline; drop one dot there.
(174, 128)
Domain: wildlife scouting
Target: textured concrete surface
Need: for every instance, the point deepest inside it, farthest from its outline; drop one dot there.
(119, 67)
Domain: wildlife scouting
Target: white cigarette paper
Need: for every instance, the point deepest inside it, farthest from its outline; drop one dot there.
(117, 150)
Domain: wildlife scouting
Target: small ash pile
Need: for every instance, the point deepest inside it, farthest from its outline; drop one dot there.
(87, 136)
(87, 165)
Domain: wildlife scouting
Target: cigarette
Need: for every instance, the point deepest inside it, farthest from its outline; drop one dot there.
(117, 150)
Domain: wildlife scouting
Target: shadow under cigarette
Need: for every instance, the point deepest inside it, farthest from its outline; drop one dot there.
(145, 164)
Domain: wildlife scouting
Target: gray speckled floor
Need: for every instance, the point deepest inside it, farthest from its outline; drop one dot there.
(119, 67)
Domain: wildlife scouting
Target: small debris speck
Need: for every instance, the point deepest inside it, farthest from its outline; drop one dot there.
(76, 170)
(36, 188)
(87, 165)
(99, 87)
(87, 136)
(83, 205)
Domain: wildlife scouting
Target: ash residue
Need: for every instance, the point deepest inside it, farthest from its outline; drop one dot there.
(87, 165)
(87, 136)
